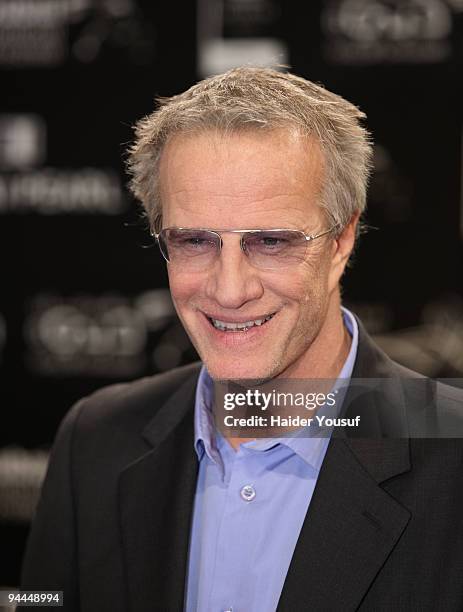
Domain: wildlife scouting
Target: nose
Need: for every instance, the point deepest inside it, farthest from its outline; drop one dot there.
(232, 281)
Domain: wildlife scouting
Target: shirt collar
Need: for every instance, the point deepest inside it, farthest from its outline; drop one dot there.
(312, 450)
(205, 440)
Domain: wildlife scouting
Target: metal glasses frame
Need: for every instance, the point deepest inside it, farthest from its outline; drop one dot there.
(219, 232)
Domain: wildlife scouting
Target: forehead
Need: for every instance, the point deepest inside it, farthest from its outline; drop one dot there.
(262, 176)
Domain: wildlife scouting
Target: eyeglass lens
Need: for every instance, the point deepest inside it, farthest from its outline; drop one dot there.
(199, 248)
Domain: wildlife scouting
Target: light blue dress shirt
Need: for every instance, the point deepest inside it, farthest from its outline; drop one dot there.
(249, 508)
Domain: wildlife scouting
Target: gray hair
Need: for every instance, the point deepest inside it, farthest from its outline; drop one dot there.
(260, 98)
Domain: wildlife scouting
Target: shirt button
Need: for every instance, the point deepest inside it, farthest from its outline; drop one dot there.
(248, 493)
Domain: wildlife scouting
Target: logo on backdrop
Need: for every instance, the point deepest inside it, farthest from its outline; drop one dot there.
(388, 31)
(433, 346)
(28, 186)
(109, 336)
(44, 33)
(236, 32)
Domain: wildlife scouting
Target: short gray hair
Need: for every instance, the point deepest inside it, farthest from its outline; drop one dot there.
(259, 98)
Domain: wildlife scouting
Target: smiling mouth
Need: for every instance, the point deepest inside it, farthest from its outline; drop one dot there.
(239, 327)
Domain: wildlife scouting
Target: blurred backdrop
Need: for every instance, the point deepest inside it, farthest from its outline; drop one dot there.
(84, 298)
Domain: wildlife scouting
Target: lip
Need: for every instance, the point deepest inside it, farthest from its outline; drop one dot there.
(236, 338)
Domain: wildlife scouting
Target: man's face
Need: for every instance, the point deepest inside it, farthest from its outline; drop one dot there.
(249, 181)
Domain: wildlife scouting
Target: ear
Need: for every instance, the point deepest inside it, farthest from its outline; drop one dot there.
(341, 250)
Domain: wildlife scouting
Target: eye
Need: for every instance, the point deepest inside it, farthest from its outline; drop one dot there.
(194, 241)
(272, 241)
(268, 243)
(191, 242)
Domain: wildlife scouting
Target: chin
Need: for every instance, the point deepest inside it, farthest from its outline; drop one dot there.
(256, 373)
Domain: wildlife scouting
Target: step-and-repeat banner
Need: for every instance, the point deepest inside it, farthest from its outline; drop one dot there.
(84, 299)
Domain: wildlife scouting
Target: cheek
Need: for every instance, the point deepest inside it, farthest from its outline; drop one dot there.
(306, 286)
(182, 286)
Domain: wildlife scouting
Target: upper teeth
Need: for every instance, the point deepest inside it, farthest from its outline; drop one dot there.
(224, 325)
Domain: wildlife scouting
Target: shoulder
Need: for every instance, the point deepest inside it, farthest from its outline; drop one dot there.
(418, 403)
(429, 392)
(131, 405)
(453, 396)
(434, 408)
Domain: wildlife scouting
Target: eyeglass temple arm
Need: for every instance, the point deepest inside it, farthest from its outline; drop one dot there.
(313, 236)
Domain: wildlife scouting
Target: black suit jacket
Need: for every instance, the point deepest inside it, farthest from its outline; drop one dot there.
(384, 530)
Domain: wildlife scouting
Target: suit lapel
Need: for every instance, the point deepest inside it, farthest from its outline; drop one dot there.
(351, 527)
(156, 495)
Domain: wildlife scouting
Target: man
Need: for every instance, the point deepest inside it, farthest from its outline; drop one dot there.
(254, 182)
